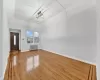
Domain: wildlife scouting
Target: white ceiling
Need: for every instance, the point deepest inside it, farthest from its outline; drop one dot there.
(25, 9)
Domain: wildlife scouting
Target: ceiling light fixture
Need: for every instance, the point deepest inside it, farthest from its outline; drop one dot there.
(42, 9)
(39, 14)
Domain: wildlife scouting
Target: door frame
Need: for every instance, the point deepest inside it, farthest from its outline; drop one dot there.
(16, 31)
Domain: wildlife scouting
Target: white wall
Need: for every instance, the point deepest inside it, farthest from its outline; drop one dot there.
(1, 8)
(5, 40)
(98, 40)
(73, 36)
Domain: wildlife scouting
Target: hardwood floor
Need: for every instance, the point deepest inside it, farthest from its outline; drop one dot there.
(43, 65)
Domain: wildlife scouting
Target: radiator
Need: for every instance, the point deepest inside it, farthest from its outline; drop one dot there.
(33, 47)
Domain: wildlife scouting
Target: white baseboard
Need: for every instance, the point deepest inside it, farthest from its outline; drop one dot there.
(24, 50)
(71, 57)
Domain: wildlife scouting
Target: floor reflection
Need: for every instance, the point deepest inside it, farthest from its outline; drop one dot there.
(32, 63)
(43, 65)
(14, 61)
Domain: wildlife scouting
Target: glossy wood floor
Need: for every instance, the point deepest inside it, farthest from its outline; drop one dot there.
(43, 65)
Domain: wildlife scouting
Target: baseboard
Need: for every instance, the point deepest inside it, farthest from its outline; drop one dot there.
(25, 51)
(30, 50)
(71, 57)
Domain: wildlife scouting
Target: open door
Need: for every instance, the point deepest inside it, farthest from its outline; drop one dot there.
(14, 41)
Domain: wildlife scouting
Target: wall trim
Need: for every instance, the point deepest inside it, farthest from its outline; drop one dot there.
(16, 31)
(71, 57)
(25, 50)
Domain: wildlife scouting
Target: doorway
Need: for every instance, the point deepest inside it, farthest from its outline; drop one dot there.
(14, 41)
